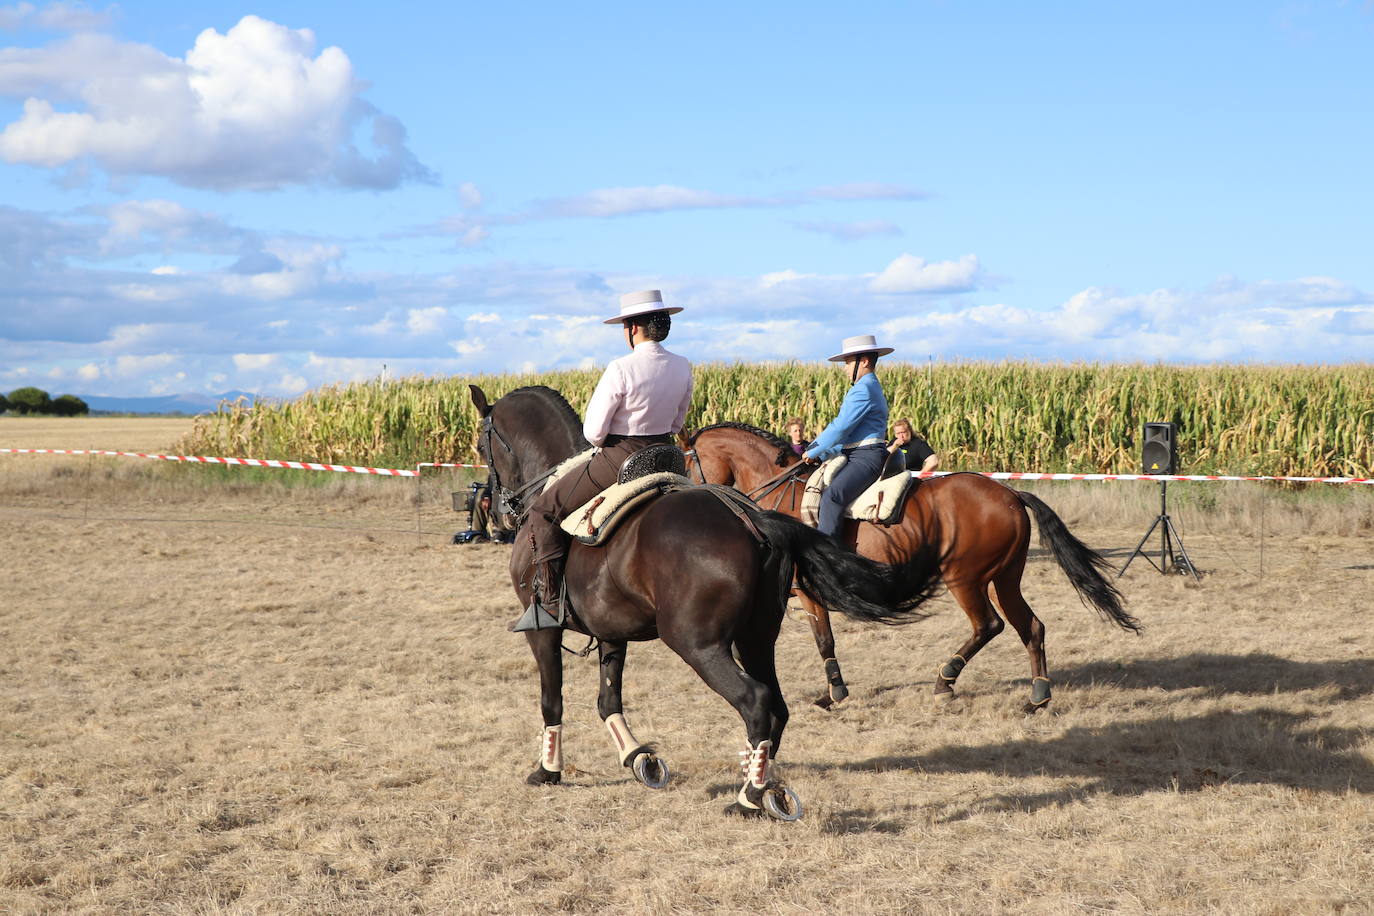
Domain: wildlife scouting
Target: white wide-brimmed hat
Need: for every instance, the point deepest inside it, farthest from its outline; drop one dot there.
(641, 303)
(864, 343)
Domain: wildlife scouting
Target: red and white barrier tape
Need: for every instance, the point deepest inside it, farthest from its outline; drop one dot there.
(247, 462)
(1030, 475)
(400, 472)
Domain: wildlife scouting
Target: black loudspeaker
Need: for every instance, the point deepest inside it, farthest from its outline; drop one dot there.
(1159, 452)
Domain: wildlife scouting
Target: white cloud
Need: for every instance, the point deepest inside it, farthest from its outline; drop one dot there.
(88, 373)
(425, 321)
(302, 269)
(851, 231)
(469, 196)
(248, 362)
(291, 384)
(58, 17)
(253, 108)
(133, 366)
(608, 202)
(911, 274)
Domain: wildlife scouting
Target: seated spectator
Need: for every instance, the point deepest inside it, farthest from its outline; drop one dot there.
(908, 451)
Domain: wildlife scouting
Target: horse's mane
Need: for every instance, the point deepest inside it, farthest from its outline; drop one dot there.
(557, 403)
(784, 447)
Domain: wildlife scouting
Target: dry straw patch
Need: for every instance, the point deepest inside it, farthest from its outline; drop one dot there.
(281, 699)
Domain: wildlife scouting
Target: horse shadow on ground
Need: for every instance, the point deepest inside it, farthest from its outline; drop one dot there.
(1165, 754)
(1255, 673)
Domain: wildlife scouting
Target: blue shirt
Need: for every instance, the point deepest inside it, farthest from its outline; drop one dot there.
(863, 415)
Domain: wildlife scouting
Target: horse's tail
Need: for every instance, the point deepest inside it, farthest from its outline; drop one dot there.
(1083, 565)
(840, 580)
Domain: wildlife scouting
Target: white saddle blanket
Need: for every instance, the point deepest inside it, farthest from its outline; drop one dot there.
(589, 520)
(880, 503)
(563, 469)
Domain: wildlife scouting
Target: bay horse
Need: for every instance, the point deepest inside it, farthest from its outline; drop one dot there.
(979, 529)
(686, 569)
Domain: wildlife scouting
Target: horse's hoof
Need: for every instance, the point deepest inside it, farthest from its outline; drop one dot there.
(945, 696)
(543, 777)
(1031, 709)
(651, 771)
(735, 809)
(782, 804)
(824, 701)
(838, 692)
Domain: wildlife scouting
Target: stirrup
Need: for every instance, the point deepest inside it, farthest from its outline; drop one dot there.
(535, 618)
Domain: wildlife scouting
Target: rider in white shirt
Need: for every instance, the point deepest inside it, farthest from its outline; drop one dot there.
(641, 400)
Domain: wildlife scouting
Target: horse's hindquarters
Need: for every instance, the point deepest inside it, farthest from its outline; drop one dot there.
(685, 564)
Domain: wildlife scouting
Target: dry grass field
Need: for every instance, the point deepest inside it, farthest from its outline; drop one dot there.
(229, 695)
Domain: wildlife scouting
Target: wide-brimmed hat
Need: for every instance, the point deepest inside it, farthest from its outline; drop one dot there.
(641, 303)
(854, 346)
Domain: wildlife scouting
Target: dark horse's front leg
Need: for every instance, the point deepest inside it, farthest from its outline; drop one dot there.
(648, 768)
(548, 655)
(819, 618)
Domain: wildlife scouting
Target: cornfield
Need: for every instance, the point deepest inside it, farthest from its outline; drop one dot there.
(1232, 419)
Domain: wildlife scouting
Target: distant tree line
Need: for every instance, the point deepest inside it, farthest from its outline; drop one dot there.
(32, 400)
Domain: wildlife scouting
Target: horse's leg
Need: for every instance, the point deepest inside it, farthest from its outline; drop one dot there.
(1007, 586)
(751, 698)
(651, 771)
(973, 598)
(548, 655)
(756, 648)
(819, 618)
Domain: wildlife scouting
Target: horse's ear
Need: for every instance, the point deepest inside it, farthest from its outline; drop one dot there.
(479, 400)
(684, 441)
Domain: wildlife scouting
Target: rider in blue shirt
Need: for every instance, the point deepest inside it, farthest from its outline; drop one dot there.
(859, 431)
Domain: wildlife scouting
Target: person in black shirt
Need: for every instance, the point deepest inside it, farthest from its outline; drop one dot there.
(908, 451)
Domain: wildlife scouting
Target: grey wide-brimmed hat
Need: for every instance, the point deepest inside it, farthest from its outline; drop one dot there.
(641, 303)
(854, 346)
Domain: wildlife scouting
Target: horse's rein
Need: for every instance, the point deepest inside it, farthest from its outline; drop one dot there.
(690, 455)
(757, 494)
(788, 476)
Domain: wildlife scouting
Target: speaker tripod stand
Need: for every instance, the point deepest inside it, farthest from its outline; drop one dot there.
(1169, 561)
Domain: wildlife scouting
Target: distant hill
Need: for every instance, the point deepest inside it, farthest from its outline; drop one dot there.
(171, 403)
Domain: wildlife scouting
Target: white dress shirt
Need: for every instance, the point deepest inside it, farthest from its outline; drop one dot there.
(644, 393)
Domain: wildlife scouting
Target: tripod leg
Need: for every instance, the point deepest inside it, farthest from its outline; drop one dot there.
(1181, 549)
(1138, 552)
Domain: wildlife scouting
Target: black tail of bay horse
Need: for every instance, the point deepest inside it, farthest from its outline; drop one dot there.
(1085, 567)
(688, 570)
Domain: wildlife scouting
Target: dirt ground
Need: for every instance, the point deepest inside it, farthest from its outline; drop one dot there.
(223, 695)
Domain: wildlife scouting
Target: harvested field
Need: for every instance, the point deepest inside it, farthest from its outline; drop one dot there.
(232, 698)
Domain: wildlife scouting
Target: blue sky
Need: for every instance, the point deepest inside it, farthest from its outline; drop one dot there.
(200, 197)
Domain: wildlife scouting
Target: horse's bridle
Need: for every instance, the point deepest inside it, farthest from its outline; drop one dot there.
(514, 500)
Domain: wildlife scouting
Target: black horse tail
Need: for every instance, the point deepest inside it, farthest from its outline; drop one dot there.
(840, 580)
(1083, 565)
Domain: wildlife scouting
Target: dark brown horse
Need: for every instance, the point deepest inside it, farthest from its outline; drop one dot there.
(978, 527)
(691, 571)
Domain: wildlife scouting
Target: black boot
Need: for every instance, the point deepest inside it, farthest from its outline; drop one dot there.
(545, 611)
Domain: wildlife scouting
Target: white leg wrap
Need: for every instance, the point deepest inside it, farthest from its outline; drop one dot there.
(552, 759)
(756, 770)
(754, 761)
(625, 742)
